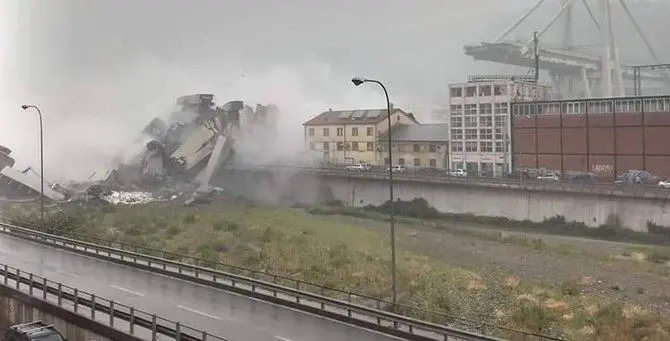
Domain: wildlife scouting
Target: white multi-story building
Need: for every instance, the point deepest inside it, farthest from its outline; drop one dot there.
(479, 118)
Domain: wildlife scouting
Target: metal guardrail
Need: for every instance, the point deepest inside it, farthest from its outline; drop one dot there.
(441, 177)
(361, 316)
(298, 284)
(123, 318)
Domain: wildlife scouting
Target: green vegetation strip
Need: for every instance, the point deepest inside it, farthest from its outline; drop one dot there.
(301, 245)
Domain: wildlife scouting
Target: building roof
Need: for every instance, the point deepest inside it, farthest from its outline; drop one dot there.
(373, 116)
(438, 132)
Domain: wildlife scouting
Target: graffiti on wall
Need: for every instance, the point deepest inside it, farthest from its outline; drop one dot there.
(602, 169)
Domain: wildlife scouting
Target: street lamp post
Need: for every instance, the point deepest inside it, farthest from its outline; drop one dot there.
(358, 81)
(26, 107)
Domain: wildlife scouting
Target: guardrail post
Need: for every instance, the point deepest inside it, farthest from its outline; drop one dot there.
(131, 323)
(44, 289)
(60, 294)
(153, 327)
(204, 336)
(6, 273)
(76, 299)
(30, 285)
(178, 332)
(18, 278)
(111, 313)
(92, 306)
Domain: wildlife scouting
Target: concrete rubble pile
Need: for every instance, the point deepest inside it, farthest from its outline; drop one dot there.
(182, 154)
(24, 185)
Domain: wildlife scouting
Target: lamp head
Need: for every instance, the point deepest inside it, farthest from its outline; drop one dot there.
(24, 107)
(358, 80)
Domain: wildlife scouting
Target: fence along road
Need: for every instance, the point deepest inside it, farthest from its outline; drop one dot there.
(100, 315)
(206, 306)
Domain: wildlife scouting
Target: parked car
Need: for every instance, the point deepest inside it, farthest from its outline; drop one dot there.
(664, 184)
(458, 172)
(397, 169)
(33, 331)
(359, 167)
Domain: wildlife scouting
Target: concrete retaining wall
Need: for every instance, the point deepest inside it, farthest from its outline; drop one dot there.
(14, 311)
(593, 209)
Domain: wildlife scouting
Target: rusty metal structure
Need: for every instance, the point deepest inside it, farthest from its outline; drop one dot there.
(604, 136)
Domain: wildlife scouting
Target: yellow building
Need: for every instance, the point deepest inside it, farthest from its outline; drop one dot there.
(421, 145)
(350, 136)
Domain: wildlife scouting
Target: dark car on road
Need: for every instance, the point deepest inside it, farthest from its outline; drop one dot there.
(33, 331)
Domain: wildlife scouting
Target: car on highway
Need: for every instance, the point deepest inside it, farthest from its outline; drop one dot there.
(664, 184)
(549, 177)
(33, 331)
(359, 167)
(459, 173)
(397, 169)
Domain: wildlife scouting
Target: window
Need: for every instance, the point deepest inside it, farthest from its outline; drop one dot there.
(370, 146)
(484, 90)
(500, 147)
(485, 146)
(326, 132)
(401, 148)
(499, 134)
(386, 161)
(311, 146)
(371, 131)
(340, 146)
(456, 134)
(354, 131)
(401, 161)
(485, 109)
(432, 148)
(457, 121)
(471, 121)
(326, 146)
(417, 148)
(486, 134)
(471, 146)
(456, 92)
(417, 163)
(311, 131)
(456, 110)
(500, 90)
(471, 91)
(354, 146)
(500, 109)
(501, 121)
(456, 146)
(340, 131)
(486, 121)
(471, 109)
(432, 163)
(470, 134)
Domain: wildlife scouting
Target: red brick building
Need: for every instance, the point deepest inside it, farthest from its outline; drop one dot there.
(604, 136)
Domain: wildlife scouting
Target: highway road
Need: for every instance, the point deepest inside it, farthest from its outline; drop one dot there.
(218, 312)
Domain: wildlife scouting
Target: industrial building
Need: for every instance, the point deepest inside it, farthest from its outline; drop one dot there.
(418, 145)
(350, 136)
(603, 136)
(479, 116)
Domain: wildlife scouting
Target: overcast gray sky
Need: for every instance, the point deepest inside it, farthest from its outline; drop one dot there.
(100, 70)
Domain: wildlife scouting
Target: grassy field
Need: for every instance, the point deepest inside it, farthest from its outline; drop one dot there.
(519, 280)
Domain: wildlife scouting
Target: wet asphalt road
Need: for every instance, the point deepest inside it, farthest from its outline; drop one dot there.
(218, 312)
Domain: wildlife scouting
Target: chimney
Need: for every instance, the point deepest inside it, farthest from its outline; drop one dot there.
(330, 109)
(391, 105)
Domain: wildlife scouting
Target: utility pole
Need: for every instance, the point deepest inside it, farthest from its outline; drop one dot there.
(537, 58)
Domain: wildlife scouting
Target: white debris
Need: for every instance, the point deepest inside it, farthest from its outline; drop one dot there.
(129, 198)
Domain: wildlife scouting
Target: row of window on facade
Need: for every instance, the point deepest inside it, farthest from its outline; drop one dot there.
(593, 107)
(481, 147)
(340, 131)
(432, 163)
(370, 146)
(481, 109)
(484, 121)
(484, 134)
(481, 90)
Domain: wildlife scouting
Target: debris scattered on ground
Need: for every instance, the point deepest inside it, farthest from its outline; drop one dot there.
(129, 198)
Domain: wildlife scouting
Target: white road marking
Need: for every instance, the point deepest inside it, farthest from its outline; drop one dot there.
(198, 312)
(126, 290)
(282, 338)
(67, 273)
